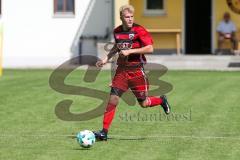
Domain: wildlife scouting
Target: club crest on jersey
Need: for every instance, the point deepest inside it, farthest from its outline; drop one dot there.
(142, 93)
(131, 36)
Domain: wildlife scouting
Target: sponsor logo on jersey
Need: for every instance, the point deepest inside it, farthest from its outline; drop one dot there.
(124, 45)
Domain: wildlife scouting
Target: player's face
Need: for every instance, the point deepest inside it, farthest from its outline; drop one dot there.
(127, 18)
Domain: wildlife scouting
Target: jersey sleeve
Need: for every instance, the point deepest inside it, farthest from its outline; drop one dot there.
(145, 37)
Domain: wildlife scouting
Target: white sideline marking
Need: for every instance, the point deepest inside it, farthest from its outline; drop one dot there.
(173, 136)
(128, 137)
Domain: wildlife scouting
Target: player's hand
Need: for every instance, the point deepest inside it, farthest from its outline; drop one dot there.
(100, 63)
(124, 52)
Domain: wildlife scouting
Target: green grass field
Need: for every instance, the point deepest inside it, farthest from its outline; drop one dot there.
(204, 124)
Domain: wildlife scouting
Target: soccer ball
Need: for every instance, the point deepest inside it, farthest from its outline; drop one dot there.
(86, 138)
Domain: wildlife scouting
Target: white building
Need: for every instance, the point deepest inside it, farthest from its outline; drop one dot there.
(45, 33)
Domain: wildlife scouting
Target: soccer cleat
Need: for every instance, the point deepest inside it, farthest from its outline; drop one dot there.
(100, 135)
(165, 105)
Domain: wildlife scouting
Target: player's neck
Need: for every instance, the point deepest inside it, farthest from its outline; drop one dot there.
(125, 28)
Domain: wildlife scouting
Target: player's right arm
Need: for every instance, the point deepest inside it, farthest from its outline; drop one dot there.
(112, 52)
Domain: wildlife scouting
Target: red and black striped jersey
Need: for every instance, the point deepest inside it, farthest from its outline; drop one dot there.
(136, 37)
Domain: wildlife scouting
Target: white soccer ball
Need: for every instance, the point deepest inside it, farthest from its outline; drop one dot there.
(86, 138)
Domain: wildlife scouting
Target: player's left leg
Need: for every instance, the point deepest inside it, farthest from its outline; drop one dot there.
(139, 86)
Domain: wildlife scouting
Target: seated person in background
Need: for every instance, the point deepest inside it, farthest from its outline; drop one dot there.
(227, 30)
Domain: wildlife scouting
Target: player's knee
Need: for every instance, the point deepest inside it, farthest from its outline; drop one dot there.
(143, 104)
(114, 99)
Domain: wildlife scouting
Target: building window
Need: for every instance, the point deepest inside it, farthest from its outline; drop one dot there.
(154, 7)
(64, 6)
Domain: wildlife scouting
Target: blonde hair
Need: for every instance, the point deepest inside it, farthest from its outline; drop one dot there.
(128, 7)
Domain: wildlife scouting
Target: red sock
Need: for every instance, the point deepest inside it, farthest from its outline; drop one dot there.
(154, 101)
(108, 116)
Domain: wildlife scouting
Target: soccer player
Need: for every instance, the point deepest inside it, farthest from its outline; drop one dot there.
(132, 42)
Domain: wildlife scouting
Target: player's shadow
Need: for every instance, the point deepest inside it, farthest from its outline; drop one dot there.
(115, 139)
(82, 149)
(128, 139)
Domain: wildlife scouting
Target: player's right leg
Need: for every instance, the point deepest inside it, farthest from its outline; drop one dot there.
(108, 117)
(119, 86)
(109, 113)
